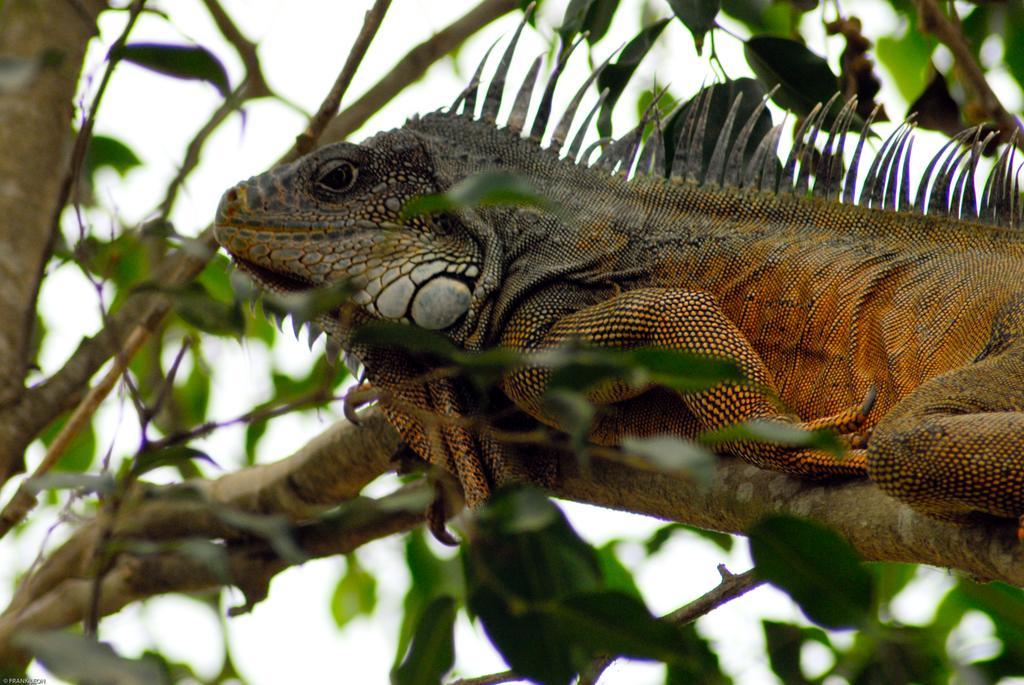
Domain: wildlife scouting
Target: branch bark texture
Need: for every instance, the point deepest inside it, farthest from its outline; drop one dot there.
(35, 136)
(336, 465)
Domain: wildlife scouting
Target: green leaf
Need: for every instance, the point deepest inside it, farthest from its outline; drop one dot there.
(431, 577)
(599, 19)
(674, 455)
(696, 662)
(355, 594)
(194, 303)
(698, 16)
(657, 540)
(580, 367)
(309, 304)
(105, 151)
(192, 397)
(83, 660)
(173, 455)
(1013, 50)
(573, 19)
(191, 62)
(216, 278)
(784, 642)
(592, 16)
(390, 334)
(902, 655)
(804, 79)
(574, 413)
(616, 575)
(1000, 602)
(432, 652)
(749, 12)
(486, 189)
(522, 554)
(253, 432)
(682, 371)
(936, 109)
(890, 578)
(617, 75)
(907, 57)
(613, 622)
(122, 260)
(102, 483)
(776, 433)
(814, 566)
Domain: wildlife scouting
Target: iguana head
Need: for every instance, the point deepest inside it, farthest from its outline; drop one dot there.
(335, 216)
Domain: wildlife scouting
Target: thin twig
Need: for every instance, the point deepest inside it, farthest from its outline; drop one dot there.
(492, 679)
(264, 413)
(414, 64)
(949, 32)
(254, 85)
(255, 82)
(230, 104)
(24, 500)
(306, 141)
(731, 587)
(69, 188)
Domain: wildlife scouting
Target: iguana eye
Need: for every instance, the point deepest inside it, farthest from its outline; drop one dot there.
(338, 177)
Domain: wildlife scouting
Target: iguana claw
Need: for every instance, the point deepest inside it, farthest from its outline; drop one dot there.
(848, 420)
(359, 396)
(436, 517)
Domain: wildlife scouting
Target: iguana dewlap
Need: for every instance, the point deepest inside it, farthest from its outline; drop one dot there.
(821, 301)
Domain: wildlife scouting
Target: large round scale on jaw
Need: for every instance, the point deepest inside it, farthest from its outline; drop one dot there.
(440, 302)
(394, 301)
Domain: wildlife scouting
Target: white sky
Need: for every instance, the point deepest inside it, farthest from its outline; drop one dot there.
(291, 637)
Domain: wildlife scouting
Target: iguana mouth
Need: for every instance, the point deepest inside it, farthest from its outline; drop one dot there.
(273, 280)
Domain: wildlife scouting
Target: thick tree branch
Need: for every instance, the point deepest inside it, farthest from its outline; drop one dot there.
(338, 463)
(331, 468)
(62, 391)
(35, 137)
(878, 526)
(250, 565)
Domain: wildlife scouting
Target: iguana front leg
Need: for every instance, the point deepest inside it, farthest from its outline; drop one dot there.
(955, 446)
(687, 321)
(438, 417)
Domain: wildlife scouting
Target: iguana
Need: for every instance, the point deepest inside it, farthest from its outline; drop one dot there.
(824, 303)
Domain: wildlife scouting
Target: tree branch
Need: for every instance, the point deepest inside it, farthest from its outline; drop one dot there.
(934, 21)
(250, 565)
(35, 138)
(331, 468)
(62, 391)
(731, 587)
(413, 65)
(338, 463)
(878, 526)
(306, 141)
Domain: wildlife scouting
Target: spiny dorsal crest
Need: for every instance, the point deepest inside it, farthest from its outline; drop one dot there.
(742, 152)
